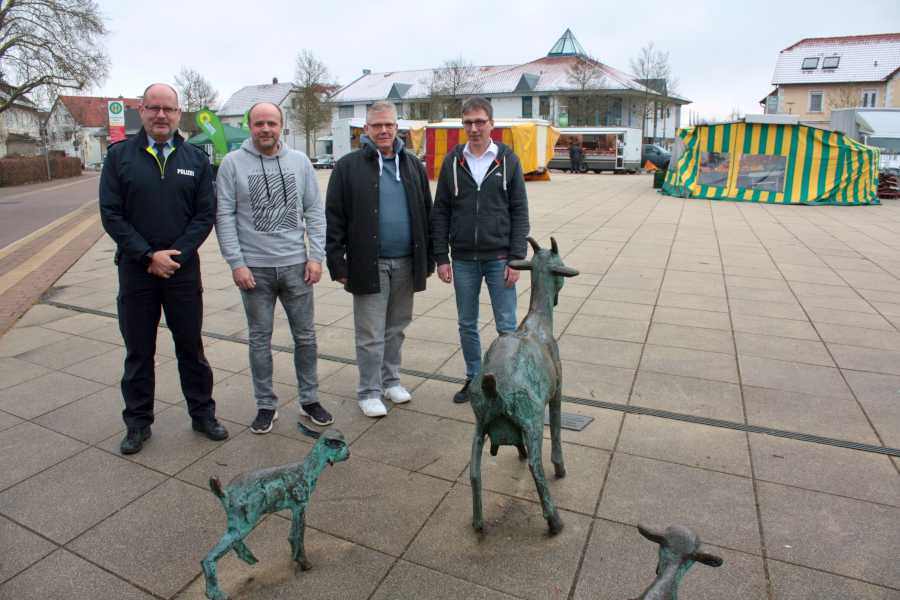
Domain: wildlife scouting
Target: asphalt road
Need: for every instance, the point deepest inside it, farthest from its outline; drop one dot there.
(26, 208)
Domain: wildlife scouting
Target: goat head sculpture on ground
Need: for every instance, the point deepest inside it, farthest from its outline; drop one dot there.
(521, 373)
(248, 497)
(679, 549)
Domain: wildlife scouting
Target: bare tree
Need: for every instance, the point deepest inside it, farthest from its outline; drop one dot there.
(652, 70)
(50, 45)
(196, 91)
(310, 107)
(845, 96)
(587, 75)
(736, 114)
(450, 84)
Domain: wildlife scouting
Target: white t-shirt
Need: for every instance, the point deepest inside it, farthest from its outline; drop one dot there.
(479, 165)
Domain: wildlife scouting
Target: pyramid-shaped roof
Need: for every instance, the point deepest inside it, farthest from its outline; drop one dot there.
(567, 45)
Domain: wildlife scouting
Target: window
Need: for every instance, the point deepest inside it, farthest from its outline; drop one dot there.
(815, 102)
(714, 169)
(831, 62)
(286, 132)
(345, 111)
(771, 105)
(810, 63)
(869, 97)
(762, 172)
(526, 107)
(544, 107)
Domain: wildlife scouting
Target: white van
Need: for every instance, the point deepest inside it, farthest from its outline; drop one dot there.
(615, 149)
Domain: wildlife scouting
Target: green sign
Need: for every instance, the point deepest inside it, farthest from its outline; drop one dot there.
(212, 127)
(563, 119)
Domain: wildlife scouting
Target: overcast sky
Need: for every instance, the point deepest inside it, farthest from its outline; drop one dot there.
(722, 52)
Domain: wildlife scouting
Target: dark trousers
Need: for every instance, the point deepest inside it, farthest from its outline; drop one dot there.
(141, 296)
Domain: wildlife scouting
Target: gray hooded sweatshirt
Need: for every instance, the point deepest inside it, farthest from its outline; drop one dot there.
(265, 205)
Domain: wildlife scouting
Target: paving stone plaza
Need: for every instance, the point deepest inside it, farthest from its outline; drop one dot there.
(729, 323)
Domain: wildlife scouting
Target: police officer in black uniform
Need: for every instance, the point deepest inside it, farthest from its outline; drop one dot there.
(158, 203)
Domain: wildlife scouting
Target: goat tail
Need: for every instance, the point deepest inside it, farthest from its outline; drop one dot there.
(489, 385)
(216, 486)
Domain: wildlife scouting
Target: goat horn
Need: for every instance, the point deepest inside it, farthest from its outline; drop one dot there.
(534, 245)
(553, 247)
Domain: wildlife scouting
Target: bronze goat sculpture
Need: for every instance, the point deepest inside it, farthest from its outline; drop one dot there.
(248, 497)
(679, 549)
(521, 374)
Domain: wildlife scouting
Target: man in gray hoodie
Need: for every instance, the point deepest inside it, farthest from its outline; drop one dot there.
(268, 199)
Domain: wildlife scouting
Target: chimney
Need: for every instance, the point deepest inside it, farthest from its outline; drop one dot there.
(367, 72)
(274, 80)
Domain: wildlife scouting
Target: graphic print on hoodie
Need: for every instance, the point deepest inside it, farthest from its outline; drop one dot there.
(273, 201)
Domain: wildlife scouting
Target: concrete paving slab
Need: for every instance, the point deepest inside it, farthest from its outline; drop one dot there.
(828, 416)
(408, 581)
(161, 555)
(20, 549)
(692, 318)
(515, 554)
(435, 397)
(27, 449)
(598, 351)
(830, 533)
(91, 419)
(620, 563)
(374, 504)
(783, 348)
(168, 381)
(235, 401)
(689, 363)
(696, 338)
(686, 443)
(620, 310)
(347, 417)
(20, 340)
(866, 359)
(597, 382)
(64, 575)
(851, 473)
(879, 396)
(77, 323)
(60, 502)
(688, 395)
(174, 444)
(854, 335)
(41, 314)
(228, 356)
(792, 376)
(45, 393)
(7, 420)
(104, 368)
(435, 446)
(615, 294)
(642, 490)
(692, 301)
(627, 330)
(791, 582)
(14, 371)
(341, 569)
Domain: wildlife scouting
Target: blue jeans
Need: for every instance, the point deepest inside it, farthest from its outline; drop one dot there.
(286, 284)
(467, 276)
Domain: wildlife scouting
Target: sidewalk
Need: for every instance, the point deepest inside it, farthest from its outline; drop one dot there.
(723, 320)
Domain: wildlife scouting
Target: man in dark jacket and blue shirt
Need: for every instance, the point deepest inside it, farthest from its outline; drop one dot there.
(481, 216)
(377, 209)
(157, 202)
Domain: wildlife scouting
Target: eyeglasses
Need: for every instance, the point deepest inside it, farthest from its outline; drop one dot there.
(166, 109)
(475, 122)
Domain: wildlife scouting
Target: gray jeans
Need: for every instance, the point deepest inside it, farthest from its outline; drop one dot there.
(288, 285)
(380, 320)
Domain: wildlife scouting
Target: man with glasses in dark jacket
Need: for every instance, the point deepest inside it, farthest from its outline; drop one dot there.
(480, 216)
(157, 202)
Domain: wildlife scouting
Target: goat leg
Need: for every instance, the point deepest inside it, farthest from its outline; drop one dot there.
(243, 552)
(298, 528)
(523, 454)
(475, 479)
(208, 565)
(556, 455)
(536, 466)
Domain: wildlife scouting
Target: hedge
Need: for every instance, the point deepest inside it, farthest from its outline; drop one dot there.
(30, 169)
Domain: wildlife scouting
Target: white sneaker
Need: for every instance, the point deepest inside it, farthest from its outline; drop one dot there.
(397, 394)
(372, 407)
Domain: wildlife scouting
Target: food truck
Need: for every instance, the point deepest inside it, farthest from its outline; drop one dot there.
(616, 149)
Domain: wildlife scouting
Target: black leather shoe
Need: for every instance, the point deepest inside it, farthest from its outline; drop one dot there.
(462, 396)
(211, 429)
(134, 439)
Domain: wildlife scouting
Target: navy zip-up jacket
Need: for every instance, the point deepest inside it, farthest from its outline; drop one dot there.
(146, 206)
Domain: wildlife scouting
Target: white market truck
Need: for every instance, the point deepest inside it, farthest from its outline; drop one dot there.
(616, 149)
(345, 134)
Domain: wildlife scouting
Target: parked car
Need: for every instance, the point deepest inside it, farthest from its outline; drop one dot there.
(323, 161)
(657, 155)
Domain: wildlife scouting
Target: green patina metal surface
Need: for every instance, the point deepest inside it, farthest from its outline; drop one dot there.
(520, 375)
(248, 497)
(679, 549)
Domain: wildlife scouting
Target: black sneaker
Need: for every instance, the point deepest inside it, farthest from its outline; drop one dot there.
(134, 439)
(316, 413)
(265, 418)
(462, 396)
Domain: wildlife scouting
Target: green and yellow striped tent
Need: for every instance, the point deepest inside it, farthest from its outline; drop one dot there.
(773, 163)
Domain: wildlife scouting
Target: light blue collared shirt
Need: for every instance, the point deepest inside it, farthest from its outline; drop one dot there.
(167, 148)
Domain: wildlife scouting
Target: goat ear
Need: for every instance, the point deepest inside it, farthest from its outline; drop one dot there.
(707, 559)
(564, 271)
(534, 245)
(519, 265)
(652, 535)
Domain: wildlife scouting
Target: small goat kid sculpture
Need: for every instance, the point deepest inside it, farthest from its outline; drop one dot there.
(679, 549)
(520, 375)
(248, 497)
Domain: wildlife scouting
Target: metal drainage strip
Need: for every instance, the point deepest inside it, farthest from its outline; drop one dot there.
(570, 420)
